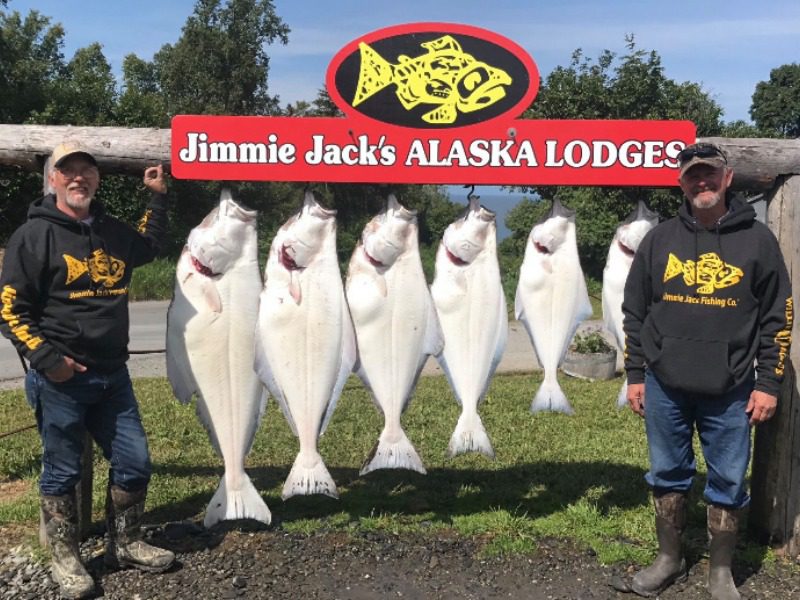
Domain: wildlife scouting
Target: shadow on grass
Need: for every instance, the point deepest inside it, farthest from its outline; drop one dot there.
(533, 490)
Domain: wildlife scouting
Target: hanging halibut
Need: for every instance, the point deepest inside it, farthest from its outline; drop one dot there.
(210, 325)
(626, 241)
(471, 306)
(551, 299)
(395, 323)
(305, 345)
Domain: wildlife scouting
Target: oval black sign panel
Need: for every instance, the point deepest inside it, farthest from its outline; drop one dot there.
(432, 75)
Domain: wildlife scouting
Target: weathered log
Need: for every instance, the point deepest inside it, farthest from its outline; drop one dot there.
(116, 149)
(759, 162)
(775, 483)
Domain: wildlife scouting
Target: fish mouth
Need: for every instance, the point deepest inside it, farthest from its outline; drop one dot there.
(541, 249)
(627, 251)
(454, 259)
(201, 268)
(287, 260)
(373, 261)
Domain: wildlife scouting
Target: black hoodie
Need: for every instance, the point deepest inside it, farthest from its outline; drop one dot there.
(64, 285)
(701, 304)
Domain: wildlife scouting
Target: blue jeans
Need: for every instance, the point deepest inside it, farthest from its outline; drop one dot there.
(724, 430)
(102, 404)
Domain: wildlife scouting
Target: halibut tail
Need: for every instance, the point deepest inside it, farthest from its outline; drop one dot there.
(550, 397)
(470, 436)
(309, 476)
(240, 502)
(393, 453)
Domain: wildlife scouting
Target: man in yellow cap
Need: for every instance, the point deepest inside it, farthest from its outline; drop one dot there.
(64, 291)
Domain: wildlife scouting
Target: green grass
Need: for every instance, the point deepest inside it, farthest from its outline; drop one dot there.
(595, 289)
(153, 281)
(578, 478)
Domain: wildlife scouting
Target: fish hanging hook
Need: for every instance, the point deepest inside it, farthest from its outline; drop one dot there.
(471, 190)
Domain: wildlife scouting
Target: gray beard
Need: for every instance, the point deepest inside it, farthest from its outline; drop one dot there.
(707, 204)
(78, 204)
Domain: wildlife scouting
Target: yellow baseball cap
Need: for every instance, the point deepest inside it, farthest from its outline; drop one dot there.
(66, 149)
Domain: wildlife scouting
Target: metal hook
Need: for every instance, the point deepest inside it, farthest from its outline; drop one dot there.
(471, 190)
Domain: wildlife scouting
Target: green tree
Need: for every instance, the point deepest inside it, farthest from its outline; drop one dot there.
(633, 86)
(742, 129)
(141, 103)
(776, 103)
(321, 106)
(30, 63)
(220, 65)
(84, 94)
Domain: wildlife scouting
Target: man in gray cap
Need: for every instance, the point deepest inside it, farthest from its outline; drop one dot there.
(707, 296)
(64, 291)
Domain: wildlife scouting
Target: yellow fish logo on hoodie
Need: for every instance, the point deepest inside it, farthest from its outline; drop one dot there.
(709, 273)
(100, 267)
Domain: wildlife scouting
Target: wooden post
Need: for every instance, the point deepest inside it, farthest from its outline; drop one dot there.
(775, 483)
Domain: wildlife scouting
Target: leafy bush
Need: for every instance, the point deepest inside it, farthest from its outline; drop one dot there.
(591, 342)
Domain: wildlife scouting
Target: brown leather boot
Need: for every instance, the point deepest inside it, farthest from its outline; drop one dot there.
(126, 548)
(723, 526)
(669, 566)
(61, 529)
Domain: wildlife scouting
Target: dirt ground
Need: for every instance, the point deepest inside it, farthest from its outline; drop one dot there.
(245, 561)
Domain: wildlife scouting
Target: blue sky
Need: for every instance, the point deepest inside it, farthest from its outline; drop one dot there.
(728, 47)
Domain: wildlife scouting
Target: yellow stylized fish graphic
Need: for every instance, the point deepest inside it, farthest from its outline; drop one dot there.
(709, 272)
(99, 266)
(445, 75)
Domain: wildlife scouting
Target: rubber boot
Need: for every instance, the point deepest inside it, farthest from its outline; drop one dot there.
(61, 529)
(670, 565)
(723, 525)
(126, 548)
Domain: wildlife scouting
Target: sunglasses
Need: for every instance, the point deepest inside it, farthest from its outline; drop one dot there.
(73, 172)
(700, 151)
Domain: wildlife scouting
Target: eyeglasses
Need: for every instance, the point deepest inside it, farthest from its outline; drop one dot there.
(700, 151)
(87, 172)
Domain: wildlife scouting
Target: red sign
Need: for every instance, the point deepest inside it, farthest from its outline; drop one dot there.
(430, 103)
(521, 152)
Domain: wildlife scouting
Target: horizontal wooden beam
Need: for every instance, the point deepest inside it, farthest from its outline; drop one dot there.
(116, 149)
(757, 162)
